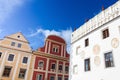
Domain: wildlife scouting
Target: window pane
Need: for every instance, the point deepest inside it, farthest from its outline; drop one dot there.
(7, 71)
(109, 59)
(53, 66)
(25, 59)
(59, 78)
(105, 33)
(39, 77)
(19, 45)
(0, 54)
(87, 64)
(11, 57)
(60, 67)
(52, 78)
(22, 73)
(12, 43)
(40, 64)
(86, 42)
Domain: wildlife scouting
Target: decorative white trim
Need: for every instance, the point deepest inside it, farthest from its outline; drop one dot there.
(16, 67)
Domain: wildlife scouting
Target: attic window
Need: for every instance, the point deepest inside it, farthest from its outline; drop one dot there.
(18, 36)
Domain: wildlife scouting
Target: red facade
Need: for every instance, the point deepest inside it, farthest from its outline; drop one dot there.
(52, 60)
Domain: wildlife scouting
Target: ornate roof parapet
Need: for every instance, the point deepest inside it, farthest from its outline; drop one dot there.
(97, 21)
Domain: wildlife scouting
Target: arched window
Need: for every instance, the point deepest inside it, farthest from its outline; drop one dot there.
(41, 64)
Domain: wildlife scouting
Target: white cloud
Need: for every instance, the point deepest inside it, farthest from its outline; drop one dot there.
(8, 6)
(65, 34)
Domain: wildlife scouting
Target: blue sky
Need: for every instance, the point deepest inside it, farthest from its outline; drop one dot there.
(37, 19)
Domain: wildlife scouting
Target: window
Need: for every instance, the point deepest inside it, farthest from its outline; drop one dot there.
(25, 59)
(109, 59)
(41, 64)
(22, 73)
(19, 45)
(10, 57)
(60, 67)
(12, 43)
(53, 66)
(66, 68)
(87, 64)
(7, 71)
(55, 48)
(86, 42)
(52, 78)
(59, 77)
(0, 54)
(66, 78)
(39, 77)
(105, 33)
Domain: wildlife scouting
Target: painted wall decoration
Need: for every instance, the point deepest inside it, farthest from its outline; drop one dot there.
(96, 49)
(115, 42)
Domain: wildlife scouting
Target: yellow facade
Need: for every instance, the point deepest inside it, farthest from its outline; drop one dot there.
(20, 49)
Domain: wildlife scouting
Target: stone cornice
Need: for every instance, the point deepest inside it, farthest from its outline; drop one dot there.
(50, 55)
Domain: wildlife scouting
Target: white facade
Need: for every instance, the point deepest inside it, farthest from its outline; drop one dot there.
(97, 47)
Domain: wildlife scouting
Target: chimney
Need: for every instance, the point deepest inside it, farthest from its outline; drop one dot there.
(103, 8)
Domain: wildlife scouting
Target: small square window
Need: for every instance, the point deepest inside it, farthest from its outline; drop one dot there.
(105, 33)
(25, 59)
(19, 45)
(87, 64)
(39, 77)
(10, 57)
(109, 60)
(55, 48)
(7, 70)
(86, 42)
(0, 54)
(12, 43)
(22, 73)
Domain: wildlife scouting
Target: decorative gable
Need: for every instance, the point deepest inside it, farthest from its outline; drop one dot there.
(18, 36)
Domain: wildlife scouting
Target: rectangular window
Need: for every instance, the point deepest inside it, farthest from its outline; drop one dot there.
(7, 70)
(59, 77)
(19, 45)
(55, 48)
(12, 43)
(10, 57)
(66, 68)
(60, 67)
(66, 78)
(0, 54)
(39, 77)
(52, 78)
(22, 73)
(105, 33)
(41, 64)
(87, 64)
(25, 59)
(109, 59)
(86, 42)
(53, 66)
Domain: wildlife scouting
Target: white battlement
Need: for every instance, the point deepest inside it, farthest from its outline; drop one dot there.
(97, 21)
